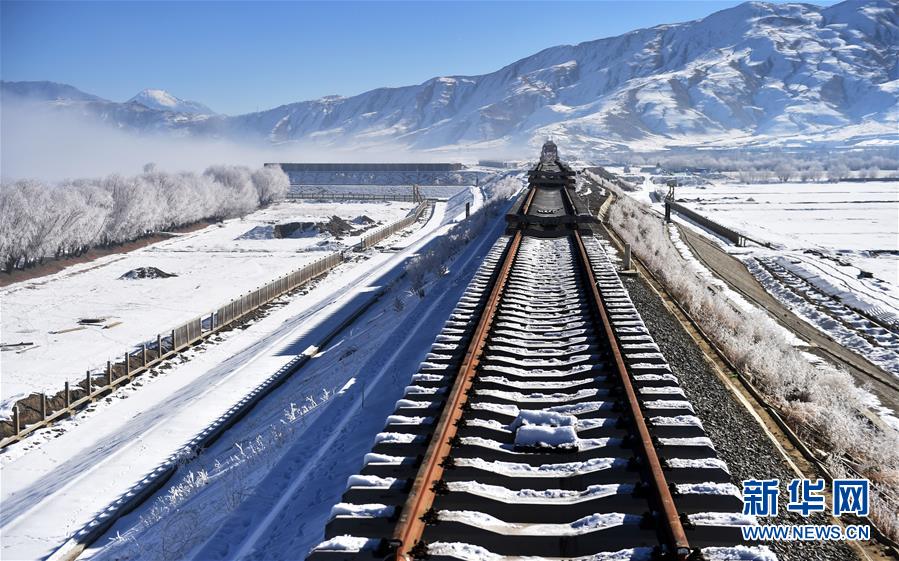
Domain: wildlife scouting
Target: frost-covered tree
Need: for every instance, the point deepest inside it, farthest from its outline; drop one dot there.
(814, 172)
(837, 171)
(40, 220)
(240, 196)
(784, 171)
(271, 184)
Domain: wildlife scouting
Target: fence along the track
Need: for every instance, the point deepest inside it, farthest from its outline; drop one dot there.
(326, 196)
(149, 354)
(372, 239)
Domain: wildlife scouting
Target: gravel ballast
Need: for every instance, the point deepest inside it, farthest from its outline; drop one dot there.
(737, 436)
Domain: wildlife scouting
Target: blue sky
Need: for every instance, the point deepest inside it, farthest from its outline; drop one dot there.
(238, 57)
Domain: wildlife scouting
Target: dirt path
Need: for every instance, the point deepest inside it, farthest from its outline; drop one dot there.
(734, 273)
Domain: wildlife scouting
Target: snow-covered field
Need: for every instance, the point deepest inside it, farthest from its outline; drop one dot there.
(857, 223)
(112, 447)
(265, 490)
(818, 240)
(822, 236)
(213, 265)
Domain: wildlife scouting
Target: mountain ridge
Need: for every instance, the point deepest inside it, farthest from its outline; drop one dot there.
(753, 74)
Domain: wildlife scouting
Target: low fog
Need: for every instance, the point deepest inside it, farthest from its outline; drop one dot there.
(37, 142)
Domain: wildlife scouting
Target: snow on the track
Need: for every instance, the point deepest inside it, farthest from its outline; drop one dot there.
(852, 330)
(213, 265)
(722, 519)
(545, 496)
(468, 552)
(708, 488)
(687, 463)
(370, 510)
(348, 543)
(515, 469)
(581, 526)
(551, 437)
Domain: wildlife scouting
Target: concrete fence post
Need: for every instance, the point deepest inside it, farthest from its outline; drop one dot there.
(127, 364)
(87, 384)
(108, 373)
(43, 407)
(174, 345)
(627, 257)
(143, 350)
(68, 395)
(16, 422)
(158, 346)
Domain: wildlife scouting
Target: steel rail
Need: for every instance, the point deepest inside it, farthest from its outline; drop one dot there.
(675, 529)
(411, 523)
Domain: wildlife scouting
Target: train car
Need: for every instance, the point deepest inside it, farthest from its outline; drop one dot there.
(554, 208)
(550, 153)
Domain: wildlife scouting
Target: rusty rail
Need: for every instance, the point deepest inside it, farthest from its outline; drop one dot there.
(411, 523)
(675, 529)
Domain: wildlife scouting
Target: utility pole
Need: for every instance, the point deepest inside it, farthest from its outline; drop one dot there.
(669, 198)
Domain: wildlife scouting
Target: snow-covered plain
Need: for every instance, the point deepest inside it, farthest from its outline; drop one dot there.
(214, 265)
(819, 238)
(113, 447)
(857, 223)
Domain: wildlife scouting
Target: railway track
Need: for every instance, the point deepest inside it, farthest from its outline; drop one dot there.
(544, 422)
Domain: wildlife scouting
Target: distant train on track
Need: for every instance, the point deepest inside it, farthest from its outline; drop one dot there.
(550, 153)
(552, 205)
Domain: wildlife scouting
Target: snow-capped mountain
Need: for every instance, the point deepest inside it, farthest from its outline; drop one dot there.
(754, 74)
(45, 91)
(162, 100)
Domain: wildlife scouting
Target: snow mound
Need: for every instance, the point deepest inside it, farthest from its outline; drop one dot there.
(258, 233)
(146, 273)
(363, 220)
(336, 226)
(370, 510)
(295, 230)
(347, 543)
(543, 436)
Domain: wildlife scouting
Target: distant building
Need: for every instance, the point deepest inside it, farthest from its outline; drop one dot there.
(288, 167)
(495, 164)
(377, 173)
